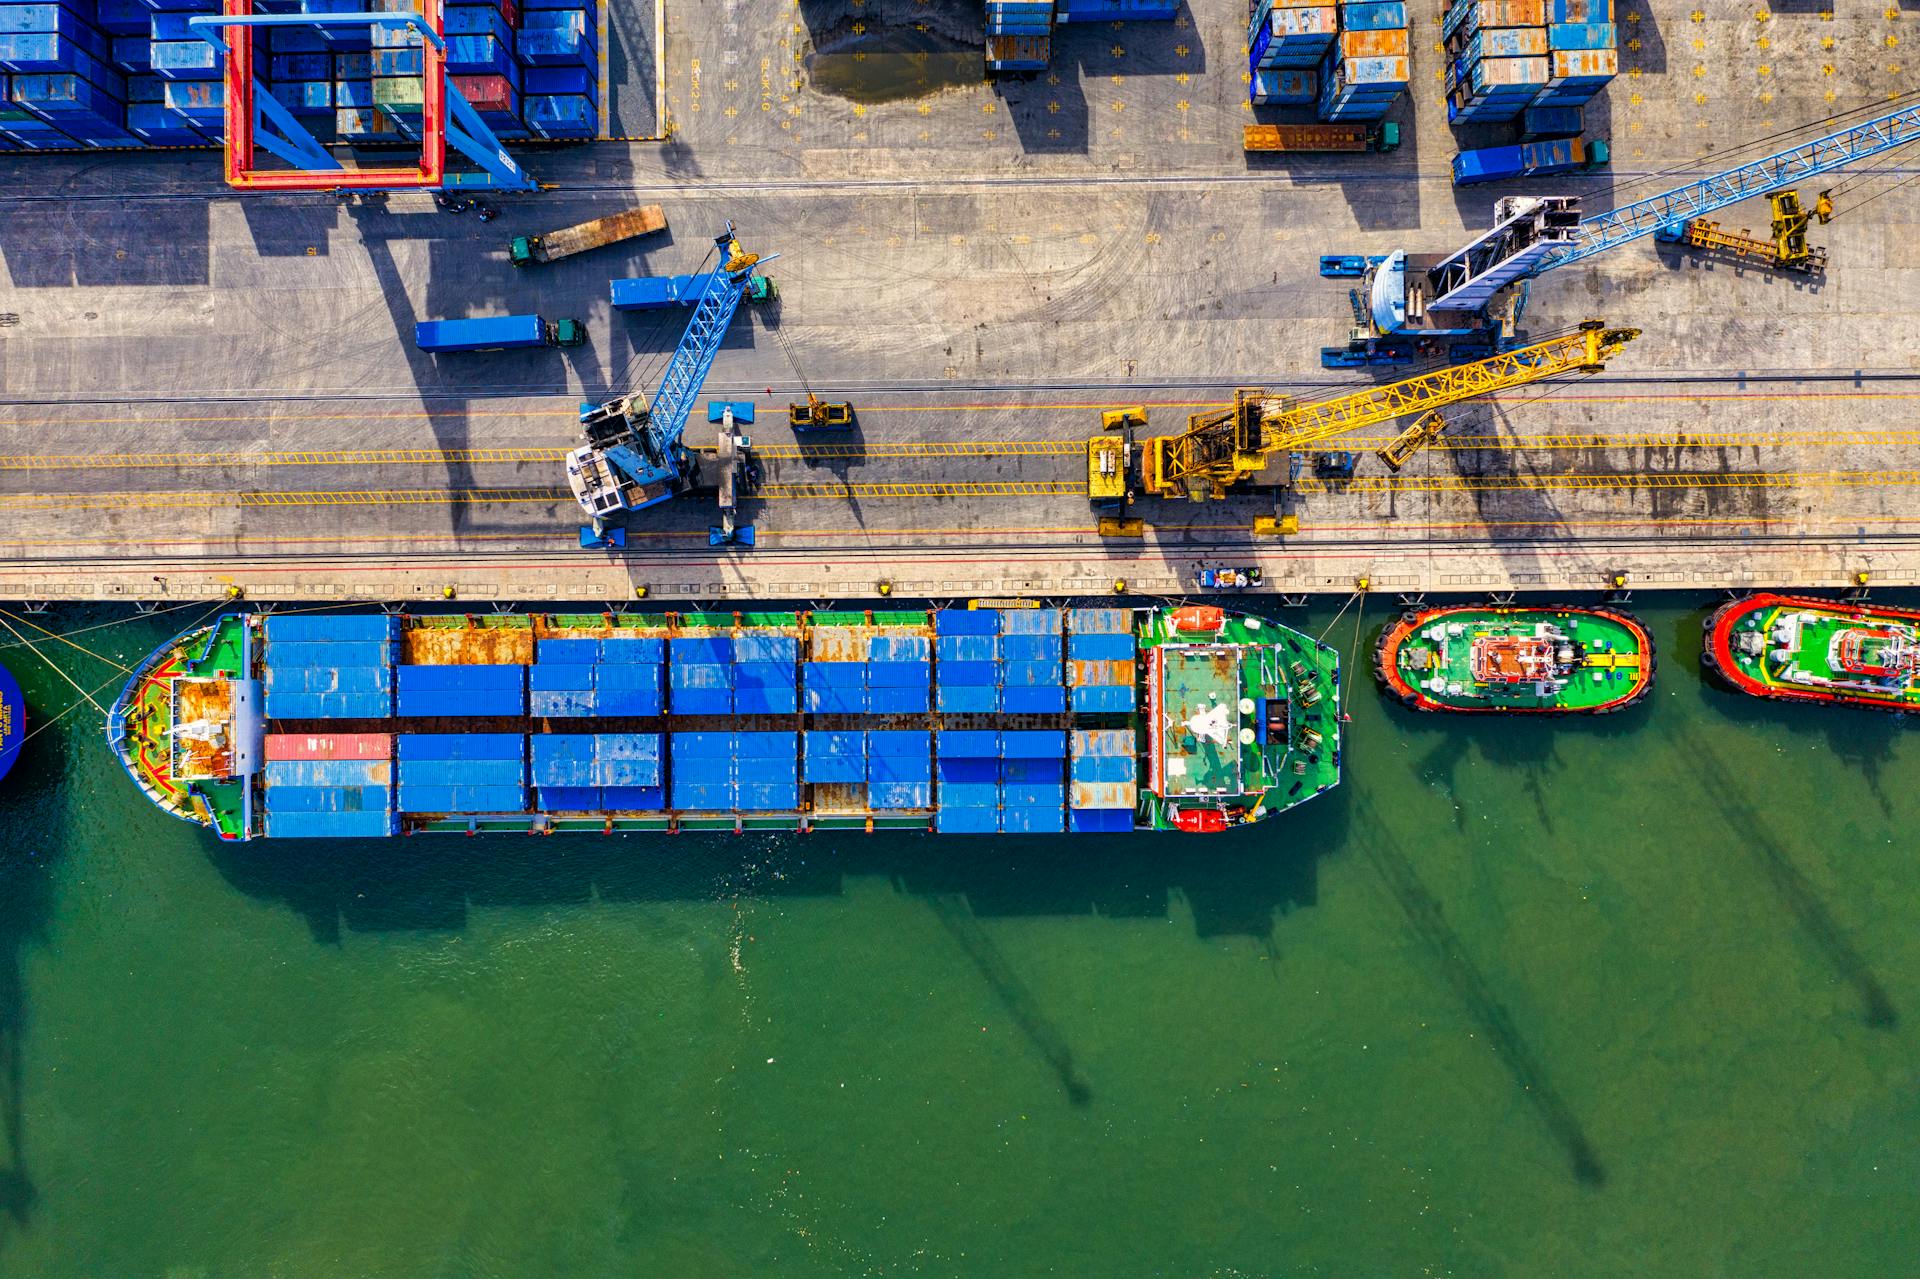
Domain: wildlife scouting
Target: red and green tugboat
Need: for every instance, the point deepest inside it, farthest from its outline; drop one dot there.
(1814, 650)
(1554, 660)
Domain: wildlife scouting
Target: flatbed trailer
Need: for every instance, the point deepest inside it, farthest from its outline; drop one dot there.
(629, 224)
(1312, 138)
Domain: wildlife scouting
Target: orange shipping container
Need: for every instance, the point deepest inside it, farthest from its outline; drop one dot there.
(1374, 44)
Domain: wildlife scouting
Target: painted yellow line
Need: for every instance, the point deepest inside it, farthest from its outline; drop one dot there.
(257, 498)
(852, 492)
(810, 452)
(315, 457)
(1628, 481)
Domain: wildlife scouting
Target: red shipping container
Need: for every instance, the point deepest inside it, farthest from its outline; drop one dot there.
(511, 12)
(484, 92)
(283, 746)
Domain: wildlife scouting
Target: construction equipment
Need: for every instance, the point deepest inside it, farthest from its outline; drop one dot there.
(626, 225)
(736, 470)
(1454, 294)
(1109, 462)
(1787, 248)
(820, 415)
(1227, 447)
(1410, 441)
(633, 457)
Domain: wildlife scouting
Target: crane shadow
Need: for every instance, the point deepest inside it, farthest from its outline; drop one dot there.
(967, 932)
(1483, 1005)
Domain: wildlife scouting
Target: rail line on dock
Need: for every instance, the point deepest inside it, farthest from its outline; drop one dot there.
(811, 452)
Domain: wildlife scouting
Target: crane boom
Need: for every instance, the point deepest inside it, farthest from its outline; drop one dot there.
(632, 457)
(1762, 177)
(1451, 295)
(1224, 447)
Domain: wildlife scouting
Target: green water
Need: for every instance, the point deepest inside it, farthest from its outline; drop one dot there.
(1616, 997)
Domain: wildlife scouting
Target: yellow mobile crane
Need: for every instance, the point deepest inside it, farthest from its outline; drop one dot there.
(1227, 447)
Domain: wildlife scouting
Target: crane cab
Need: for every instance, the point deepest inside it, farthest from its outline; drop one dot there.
(820, 415)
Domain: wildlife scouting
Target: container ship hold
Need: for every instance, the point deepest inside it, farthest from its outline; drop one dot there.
(1814, 650)
(965, 720)
(1555, 660)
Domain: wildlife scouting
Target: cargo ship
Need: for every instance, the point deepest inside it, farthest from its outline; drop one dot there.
(1815, 650)
(1552, 660)
(959, 720)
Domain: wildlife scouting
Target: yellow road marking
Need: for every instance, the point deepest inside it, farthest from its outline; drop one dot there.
(928, 449)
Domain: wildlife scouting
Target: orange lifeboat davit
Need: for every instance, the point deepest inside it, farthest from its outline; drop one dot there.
(1199, 617)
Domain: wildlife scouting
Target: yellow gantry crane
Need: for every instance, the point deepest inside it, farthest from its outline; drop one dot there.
(1226, 447)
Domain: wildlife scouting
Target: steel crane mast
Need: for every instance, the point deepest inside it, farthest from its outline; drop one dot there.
(633, 458)
(1227, 446)
(1762, 177)
(1450, 295)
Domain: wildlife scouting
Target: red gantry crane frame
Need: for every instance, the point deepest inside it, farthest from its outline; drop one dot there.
(443, 112)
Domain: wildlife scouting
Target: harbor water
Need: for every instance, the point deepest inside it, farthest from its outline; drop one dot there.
(1628, 995)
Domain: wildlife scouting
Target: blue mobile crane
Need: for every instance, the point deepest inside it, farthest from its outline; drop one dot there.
(1408, 303)
(633, 457)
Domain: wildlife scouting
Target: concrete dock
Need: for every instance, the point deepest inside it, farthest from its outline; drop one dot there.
(202, 391)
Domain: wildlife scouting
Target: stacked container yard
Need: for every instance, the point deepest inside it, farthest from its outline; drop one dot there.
(1019, 35)
(329, 785)
(461, 773)
(1535, 61)
(1287, 41)
(1582, 54)
(79, 74)
(1366, 70)
(329, 667)
(1347, 60)
(585, 772)
(1496, 58)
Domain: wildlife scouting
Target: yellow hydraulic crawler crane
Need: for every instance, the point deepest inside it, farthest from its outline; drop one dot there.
(1256, 437)
(1787, 249)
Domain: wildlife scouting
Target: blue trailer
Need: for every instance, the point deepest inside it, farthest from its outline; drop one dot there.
(1529, 160)
(497, 333)
(657, 292)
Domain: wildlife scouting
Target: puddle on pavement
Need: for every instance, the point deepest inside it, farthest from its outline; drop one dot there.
(889, 64)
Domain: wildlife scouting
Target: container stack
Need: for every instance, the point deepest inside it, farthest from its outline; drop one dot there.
(1581, 51)
(1008, 661)
(882, 769)
(101, 73)
(330, 667)
(454, 691)
(735, 772)
(1105, 772)
(329, 785)
(61, 85)
(700, 675)
(462, 772)
(1538, 59)
(597, 772)
(1100, 659)
(1287, 41)
(1013, 781)
(1019, 35)
(573, 678)
(1366, 69)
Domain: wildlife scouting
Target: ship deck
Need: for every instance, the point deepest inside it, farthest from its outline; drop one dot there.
(204, 390)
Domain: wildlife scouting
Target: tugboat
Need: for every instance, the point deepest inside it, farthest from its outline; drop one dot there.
(1813, 650)
(1554, 660)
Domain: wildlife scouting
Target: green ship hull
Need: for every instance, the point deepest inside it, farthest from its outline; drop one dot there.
(1551, 660)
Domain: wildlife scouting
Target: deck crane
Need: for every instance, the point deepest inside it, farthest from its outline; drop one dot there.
(1226, 447)
(633, 457)
(1453, 295)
